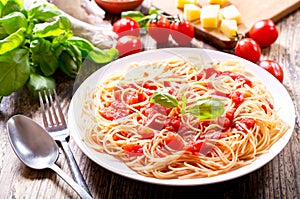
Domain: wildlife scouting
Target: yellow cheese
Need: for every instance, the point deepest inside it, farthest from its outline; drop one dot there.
(191, 12)
(181, 3)
(221, 2)
(229, 27)
(231, 12)
(210, 16)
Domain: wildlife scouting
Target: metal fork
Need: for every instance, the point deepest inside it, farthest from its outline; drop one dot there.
(55, 124)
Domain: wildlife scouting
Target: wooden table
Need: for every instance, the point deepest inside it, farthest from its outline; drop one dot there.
(280, 178)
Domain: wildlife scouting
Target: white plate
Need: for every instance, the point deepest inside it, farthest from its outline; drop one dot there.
(282, 101)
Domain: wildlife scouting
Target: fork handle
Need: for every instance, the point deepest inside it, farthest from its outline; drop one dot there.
(75, 171)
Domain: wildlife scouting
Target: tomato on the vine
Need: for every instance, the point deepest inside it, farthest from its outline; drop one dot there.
(248, 49)
(128, 45)
(272, 67)
(182, 31)
(159, 29)
(126, 26)
(264, 32)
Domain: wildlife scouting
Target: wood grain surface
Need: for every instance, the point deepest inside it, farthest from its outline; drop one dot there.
(280, 178)
(250, 10)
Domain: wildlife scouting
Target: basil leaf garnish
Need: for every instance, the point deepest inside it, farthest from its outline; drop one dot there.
(165, 99)
(207, 108)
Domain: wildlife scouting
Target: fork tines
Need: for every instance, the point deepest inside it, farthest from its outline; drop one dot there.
(54, 119)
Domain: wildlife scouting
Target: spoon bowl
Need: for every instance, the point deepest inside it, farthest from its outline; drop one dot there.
(36, 148)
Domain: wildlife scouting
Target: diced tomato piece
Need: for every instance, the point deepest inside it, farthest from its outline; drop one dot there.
(248, 122)
(230, 114)
(238, 77)
(133, 149)
(172, 124)
(205, 123)
(198, 77)
(209, 72)
(149, 85)
(196, 146)
(120, 135)
(145, 132)
(224, 122)
(141, 96)
(222, 135)
(173, 141)
(237, 98)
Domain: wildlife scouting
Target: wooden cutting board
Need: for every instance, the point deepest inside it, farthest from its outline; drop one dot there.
(251, 11)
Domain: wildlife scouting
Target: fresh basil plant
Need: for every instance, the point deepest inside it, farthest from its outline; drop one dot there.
(35, 43)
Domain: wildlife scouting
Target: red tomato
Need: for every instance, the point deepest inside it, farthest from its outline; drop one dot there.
(196, 146)
(128, 45)
(264, 32)
(172, 124)
(237, 98)
(238, 77)
(248, 122)
(126, 26)
(133, 149)
(224, 122)
(182, 32)
(272, 67)
(209, 72)
(173, 141)
(159, 29)
(248, 49)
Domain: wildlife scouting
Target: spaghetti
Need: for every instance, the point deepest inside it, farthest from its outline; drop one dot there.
(120, 118)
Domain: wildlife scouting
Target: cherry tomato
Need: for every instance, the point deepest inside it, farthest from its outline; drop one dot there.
(128, 45)
(126, 26)
(248, 49)
(182, 32)
(264, 32)
(159, 29)
(272, 67)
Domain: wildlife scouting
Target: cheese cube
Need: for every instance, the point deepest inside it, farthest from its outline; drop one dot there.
(191, 12)
(210, 16)
(221, 2)
(229, 27)
(231, 12)
(181, 3)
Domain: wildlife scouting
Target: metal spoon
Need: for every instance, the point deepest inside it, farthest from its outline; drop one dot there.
(36, 148)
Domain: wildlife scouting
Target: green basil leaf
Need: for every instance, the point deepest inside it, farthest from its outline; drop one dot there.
(14, 70)
(207, 108)
(82, 44)
(47, 60)
(68, 64)
(3, 33)
(43, 12)
(103, 56)
(164, 99)
(61, 26)
(135, 14)
(154, 10)
(12, 41)
(38, 83)
(11, 6)
(13, 21)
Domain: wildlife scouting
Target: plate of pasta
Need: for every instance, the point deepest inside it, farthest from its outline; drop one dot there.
(181, 116)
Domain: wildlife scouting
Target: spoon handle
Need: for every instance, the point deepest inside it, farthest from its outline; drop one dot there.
(81, 191)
